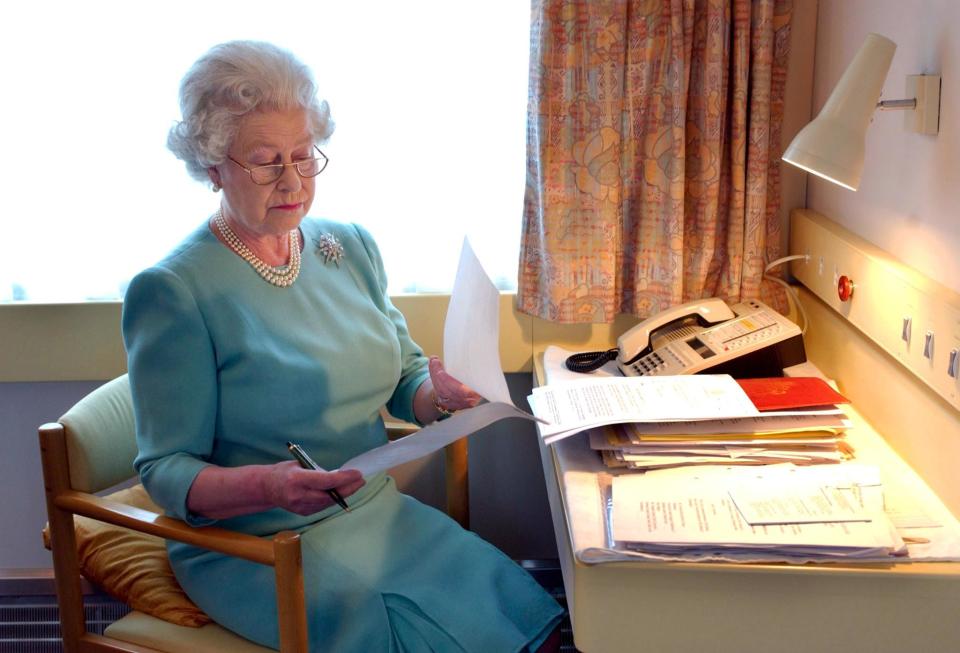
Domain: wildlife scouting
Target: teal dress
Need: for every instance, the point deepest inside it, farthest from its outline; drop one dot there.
(226, 368)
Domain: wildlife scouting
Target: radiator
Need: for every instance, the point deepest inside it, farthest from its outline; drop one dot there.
(31, 624)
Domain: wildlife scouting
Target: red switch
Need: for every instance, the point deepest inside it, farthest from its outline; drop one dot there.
(845, 288)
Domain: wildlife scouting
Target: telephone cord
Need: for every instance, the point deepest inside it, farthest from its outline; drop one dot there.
(588, 361)
(791, 291)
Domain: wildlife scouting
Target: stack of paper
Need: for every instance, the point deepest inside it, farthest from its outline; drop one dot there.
(782, 513)
(761, 440)
(649, 423)
(930, 531)
(574, 406)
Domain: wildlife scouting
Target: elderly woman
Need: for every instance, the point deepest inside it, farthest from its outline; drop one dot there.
(265, 327)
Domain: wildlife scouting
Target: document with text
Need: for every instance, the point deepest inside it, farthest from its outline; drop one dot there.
(657, 514)
(574, 406)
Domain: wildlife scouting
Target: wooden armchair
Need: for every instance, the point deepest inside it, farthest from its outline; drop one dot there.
(91, 448)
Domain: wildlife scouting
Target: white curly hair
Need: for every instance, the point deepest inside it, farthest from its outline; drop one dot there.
(229, 81)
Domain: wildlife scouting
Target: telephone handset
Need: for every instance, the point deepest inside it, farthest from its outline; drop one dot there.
(745, 340)
(670, 324)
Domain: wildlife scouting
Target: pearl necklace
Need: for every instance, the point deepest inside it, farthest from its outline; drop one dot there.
(282, 275)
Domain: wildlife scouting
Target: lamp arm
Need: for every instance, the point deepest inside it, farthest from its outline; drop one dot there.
(897, 105)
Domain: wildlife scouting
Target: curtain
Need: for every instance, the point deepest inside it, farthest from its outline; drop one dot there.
(653, 146)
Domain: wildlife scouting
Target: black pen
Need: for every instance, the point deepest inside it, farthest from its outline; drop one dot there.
(307, 463)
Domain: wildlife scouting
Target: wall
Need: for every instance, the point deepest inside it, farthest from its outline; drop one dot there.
(797, 107)
(907, 201)
(24, 407)
(905, 206)
(919, 424)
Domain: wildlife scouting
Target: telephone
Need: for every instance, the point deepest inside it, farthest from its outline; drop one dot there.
(746, 340)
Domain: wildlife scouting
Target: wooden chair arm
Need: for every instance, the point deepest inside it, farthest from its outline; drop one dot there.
(283, 553)
(240, 545)
(397, 429)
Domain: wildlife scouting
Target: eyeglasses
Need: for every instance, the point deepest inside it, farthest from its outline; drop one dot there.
(268, 174)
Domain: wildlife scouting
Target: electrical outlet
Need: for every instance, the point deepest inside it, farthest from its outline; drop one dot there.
(928, 346)
(820, 267)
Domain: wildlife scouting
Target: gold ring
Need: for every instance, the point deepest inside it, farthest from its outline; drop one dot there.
(438, 404)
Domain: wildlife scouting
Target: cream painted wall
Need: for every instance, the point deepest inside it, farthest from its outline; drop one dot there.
(797, 107)
(905, 206)
(908, 200)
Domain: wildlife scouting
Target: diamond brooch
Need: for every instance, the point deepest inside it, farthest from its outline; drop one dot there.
(329, 248)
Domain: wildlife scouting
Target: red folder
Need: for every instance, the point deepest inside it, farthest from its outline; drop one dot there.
(788, 392)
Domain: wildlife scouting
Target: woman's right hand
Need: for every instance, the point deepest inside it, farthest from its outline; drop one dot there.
(302, 491)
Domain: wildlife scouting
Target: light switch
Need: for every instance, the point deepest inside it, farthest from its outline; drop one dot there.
(953, 366)
(928, 345)
(905, 330)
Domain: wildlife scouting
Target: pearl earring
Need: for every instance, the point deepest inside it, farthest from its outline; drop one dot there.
(216, 188)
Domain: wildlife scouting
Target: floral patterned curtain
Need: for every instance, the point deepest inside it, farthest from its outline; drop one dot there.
(653, 154)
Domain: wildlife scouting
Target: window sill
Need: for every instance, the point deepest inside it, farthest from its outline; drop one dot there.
(81, 341)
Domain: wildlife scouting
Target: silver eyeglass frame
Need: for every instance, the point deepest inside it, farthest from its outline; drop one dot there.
(323, 159)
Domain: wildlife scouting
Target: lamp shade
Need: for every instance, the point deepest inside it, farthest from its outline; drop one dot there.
(832, 146)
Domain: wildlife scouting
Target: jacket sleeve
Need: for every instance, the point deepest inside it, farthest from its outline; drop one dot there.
(413, 363)
(173, 379)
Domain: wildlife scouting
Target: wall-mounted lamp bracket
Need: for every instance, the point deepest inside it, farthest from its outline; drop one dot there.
(923, 92)
(833, 145)
(894, 105)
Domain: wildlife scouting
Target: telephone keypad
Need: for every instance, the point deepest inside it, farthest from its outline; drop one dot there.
(651, 364)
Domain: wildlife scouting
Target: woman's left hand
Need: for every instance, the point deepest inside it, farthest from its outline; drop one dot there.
(450, 393)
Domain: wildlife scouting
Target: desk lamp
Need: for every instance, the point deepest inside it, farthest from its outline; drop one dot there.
(832, 145)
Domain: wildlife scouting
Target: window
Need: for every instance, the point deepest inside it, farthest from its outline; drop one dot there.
(429, 98)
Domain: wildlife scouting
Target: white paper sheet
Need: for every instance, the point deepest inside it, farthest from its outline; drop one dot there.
(432, 438)
(574, 406)
(905, 512)
(556, 371)
(660, 512)
(471, 332)
(758, 425)
(471, 354)
(761, 502)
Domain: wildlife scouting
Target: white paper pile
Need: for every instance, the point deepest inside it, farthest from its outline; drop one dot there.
(783, 512)
(930, 531)
(647, 423)
(570, 407)
(798, 439)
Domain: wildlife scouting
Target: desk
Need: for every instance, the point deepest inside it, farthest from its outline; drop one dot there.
(675, 606)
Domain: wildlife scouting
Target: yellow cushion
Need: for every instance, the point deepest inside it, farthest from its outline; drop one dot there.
(133, 567)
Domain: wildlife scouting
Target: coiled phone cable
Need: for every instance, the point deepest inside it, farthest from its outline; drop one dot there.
(588, 361)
